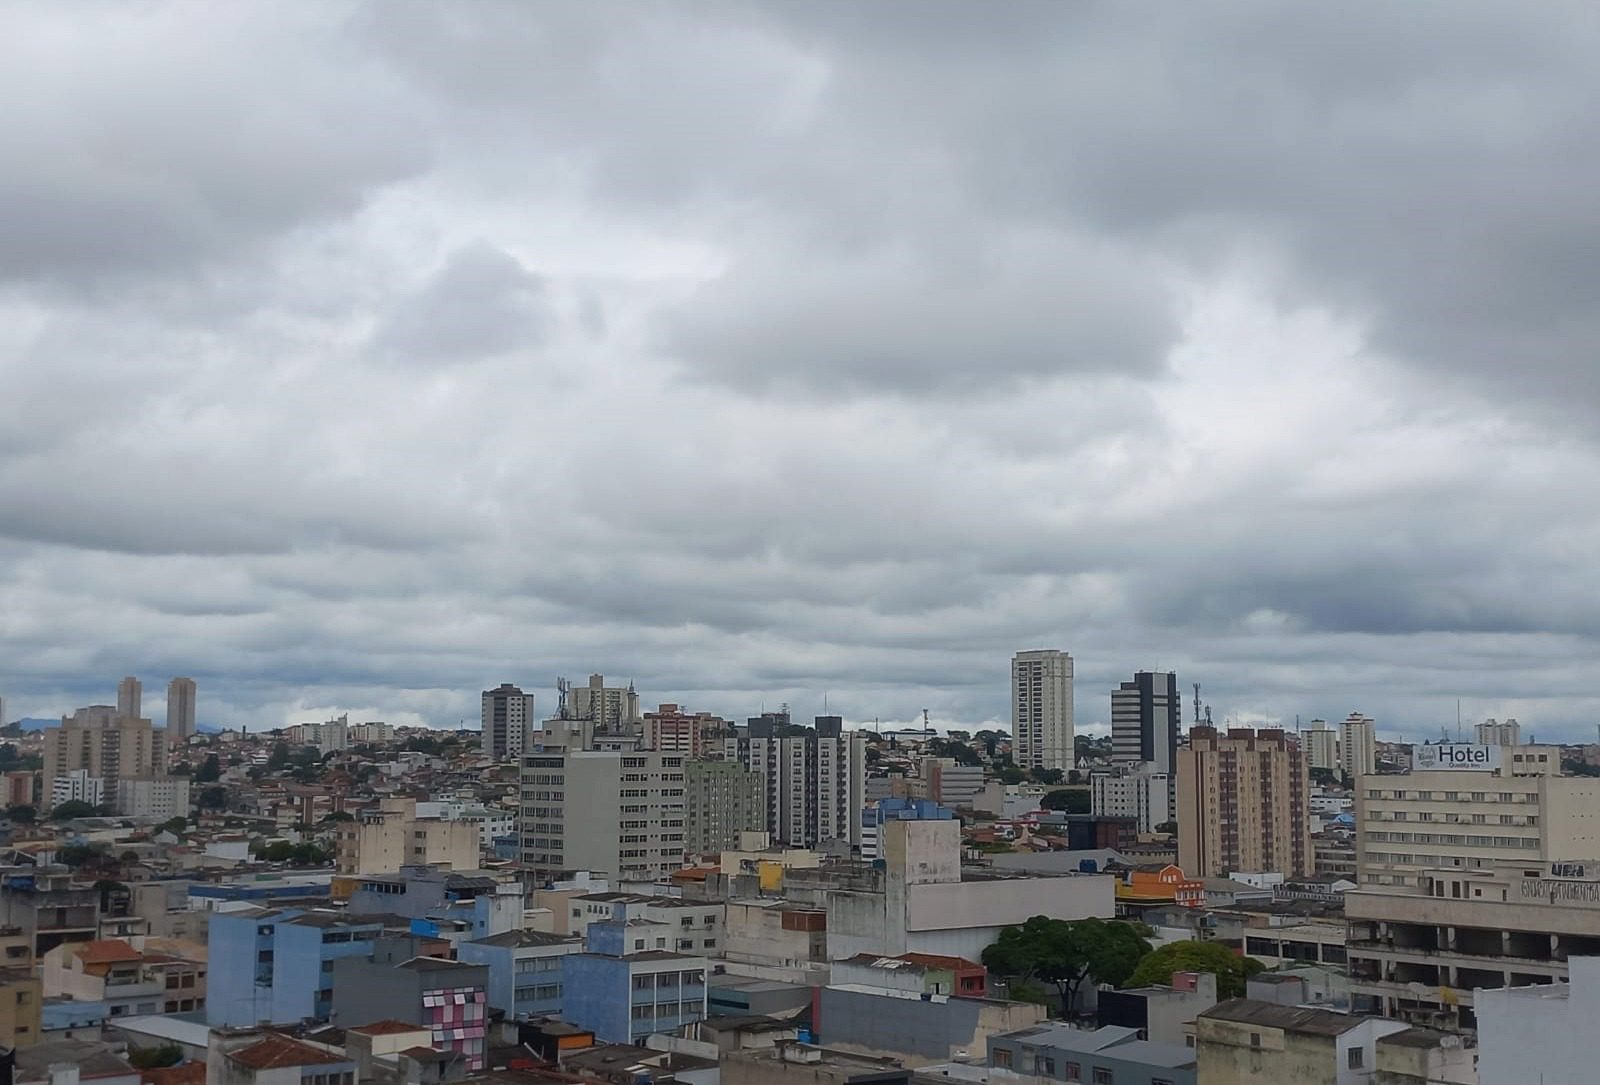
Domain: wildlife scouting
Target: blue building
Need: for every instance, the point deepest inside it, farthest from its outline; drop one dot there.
(477, 904)
(623, 999)
(276, 965)
(874, 817)
(526, 970)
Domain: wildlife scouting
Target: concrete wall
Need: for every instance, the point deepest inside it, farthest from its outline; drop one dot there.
(915, 1030)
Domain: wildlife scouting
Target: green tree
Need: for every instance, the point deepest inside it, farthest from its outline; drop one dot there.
(153, 1058)
(22, 814)
(214, 797)
(1064, 953)
(1046, 776)
(210, 770)
(77, 855)
(279, 756)
(1168, 827)
(173, 825)
(73, 808)
(1012, 775)
(1067, 801)
(1232, 971)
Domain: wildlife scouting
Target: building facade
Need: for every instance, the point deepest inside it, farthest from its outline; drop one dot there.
(1041, 710)
(1243, 804)
(722, 800)
(506, 714)
(611, 708)
(1358, 745)
(669, 729)
(1508, 807)
(619, 813)
(180, 711)
(160, 797)
(130, 697)
(1321, 745)
(393, 836)
(814, 779)
(105, 745)
(1138, 791)
(525, 970)
(1145, 721)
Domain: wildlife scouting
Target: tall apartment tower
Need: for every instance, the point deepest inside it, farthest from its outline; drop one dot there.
(622, 813)
(1491, 732)
(1321, 745)
(610, 707)
(180, 711)
(1041, 710)
(1358, 745)
(1243, 804)
(106, 745)
(814, 778)
(724, 800)
(1145, 720)
(130, 697)
(507, 711)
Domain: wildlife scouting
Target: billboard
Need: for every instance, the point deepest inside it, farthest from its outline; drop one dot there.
(1455, 756)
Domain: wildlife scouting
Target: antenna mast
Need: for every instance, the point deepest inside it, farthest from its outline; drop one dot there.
(1197, 702)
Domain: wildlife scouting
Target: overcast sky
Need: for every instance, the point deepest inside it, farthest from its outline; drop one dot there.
(360, 357)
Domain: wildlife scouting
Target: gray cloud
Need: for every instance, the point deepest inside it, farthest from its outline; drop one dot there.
(366, 356)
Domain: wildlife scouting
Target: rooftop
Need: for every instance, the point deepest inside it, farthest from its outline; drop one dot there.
(106, 951)
(274, 1051)
(1249, 1011)
(522, 939)
(390, 1027)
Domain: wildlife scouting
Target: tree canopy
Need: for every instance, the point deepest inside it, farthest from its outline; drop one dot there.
(1064, 953)
(1067, 801)
(1231, 970)
(74, 808)
(210, 770)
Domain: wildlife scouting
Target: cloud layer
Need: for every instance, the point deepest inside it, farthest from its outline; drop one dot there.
(364, 356)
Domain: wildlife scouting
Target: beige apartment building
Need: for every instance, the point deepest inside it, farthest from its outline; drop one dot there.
(1420, 953)
(1511, 807)
(1243, 804)
(620, 813)
(384, 840)
(105, 745)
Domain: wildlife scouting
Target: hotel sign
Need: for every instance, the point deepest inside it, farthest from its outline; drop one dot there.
(1455, 757)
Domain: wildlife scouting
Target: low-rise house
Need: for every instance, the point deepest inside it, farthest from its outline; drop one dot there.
(525, 970)
(271, 1058)
(105, 970)
(914, 1027)
(1057, 1052)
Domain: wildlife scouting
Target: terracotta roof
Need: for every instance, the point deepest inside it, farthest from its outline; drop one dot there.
(274, 1052)
(189, 1073)
(387, 1028)
(935, 960)
(106, 951)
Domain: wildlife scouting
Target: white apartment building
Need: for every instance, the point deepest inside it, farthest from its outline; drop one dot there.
(492, 821)
(617, 813)
(1321, 744)
(1492, 732)
(610, 707)
(506, 714)
(1506, 805)
(161, 797)
(328, 736)
(1139, 791)
(77, 786)
(1041, 710)
(1358, 745)
(814, 779)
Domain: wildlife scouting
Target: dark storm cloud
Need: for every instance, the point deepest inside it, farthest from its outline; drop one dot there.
(361, 356)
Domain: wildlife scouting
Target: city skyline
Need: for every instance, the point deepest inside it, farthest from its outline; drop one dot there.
(821, 351)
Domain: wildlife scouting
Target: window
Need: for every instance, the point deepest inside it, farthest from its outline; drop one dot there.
(1355, 1058)
(1074, 1072)
(1255, 1039)
(1103, 1076)
(1047, 1066)
(1002, 1058)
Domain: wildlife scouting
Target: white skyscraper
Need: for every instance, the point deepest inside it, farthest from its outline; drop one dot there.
(1041, 710)
(130, 696)
(1358, 745)
(180, 711)
(1321, 744)
(507, 711)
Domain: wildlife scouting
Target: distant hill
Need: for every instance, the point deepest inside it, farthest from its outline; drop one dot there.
(32, 723)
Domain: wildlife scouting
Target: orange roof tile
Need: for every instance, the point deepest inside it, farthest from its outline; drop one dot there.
(273, 1052)
(387, 1028)
(106, 951)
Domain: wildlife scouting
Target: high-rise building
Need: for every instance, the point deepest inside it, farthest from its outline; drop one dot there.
(1145, 720)
(814, 778)
(1491, 732)
(610, 707)
(1513, 805)
(130, 695)
(1358, 745)
(1321, 745)
(1041, 710)
(1133, 791)
(180, 711)
(724, 800)
(106, 745)
(618, 813)
(507, 711)
(1243, 804)
(672, 730)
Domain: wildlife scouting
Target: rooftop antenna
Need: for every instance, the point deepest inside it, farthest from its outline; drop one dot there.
(1458, 719)
(1197, 702)
(926, 726)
